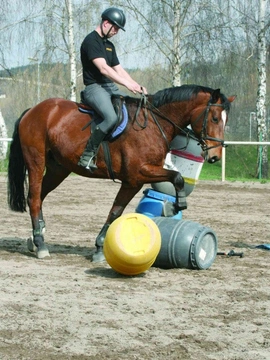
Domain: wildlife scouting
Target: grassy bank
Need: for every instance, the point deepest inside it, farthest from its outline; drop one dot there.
(241, 165)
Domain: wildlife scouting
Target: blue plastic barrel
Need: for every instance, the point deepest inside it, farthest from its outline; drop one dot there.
(152, 203)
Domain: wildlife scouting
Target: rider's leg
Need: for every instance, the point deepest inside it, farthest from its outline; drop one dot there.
(99, 97)
(87, 159)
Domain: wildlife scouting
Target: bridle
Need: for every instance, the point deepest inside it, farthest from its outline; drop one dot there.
(203, 135)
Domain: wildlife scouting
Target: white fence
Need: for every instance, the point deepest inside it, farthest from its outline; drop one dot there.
(223, 161)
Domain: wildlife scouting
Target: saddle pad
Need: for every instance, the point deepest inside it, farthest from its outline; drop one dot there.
(120, 128)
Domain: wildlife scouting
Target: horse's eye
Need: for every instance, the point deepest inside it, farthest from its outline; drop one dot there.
(215, 120)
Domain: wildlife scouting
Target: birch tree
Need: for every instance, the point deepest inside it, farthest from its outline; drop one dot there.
(59, 44)
(71, 51)
(261, 95)
(64, 22)
(182, 31)
(18, 24)
(3, 134)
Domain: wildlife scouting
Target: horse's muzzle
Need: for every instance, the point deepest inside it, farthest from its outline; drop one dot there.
(210, 159)
(213, 159)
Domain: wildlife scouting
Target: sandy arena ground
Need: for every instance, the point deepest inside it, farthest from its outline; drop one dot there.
(65, 307)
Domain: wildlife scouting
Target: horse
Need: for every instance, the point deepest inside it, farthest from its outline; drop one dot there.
(49, 138)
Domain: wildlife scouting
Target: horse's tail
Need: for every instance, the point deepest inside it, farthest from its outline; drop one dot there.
(16, 172)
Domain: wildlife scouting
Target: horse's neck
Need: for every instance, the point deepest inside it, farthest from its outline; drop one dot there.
(178, 115)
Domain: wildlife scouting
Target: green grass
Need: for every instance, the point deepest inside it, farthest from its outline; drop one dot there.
(241, 164)
(3, 165)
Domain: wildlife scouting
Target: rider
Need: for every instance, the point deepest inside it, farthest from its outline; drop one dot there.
(101, 70)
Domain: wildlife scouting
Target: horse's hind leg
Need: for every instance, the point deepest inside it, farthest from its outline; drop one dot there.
(30, 241)
(35, 175)
(124, 196)
(54, 175)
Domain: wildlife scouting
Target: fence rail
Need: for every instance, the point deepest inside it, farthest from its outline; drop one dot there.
(223, 160)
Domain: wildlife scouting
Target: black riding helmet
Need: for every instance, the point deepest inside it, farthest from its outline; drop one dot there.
(115, 16)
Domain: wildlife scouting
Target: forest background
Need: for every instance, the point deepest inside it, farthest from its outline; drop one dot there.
(167, 43)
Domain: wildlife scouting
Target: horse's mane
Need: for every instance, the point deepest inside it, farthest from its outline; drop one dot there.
(183, 93)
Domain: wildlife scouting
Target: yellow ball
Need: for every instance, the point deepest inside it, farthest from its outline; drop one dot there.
(132, 244)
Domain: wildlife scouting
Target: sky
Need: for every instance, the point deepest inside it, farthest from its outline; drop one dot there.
(19, 47)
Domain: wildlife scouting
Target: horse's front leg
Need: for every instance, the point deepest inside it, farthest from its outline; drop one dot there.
(159, 174)
(181, 200)
(125, 194)
(173, 208)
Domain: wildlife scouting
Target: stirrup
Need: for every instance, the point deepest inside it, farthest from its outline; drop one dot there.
(93, 166)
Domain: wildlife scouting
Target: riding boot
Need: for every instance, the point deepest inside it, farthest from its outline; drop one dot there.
(87, 159)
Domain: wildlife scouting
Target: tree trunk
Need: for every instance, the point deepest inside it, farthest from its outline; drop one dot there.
(262, 169)
(3, 134)
(72, 52)
(176, 62)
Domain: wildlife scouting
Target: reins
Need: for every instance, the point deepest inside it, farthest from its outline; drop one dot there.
(154, 110)
(142, 105)
(145, 104)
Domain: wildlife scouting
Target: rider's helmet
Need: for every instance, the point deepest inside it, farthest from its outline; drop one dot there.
(115, 16)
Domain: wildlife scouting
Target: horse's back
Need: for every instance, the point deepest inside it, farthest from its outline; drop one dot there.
(56, 124)
(50, 112)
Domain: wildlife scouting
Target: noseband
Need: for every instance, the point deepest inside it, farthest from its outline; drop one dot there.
(203, 135)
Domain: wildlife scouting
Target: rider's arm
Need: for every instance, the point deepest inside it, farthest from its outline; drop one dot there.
(123, 73)
(117, 74)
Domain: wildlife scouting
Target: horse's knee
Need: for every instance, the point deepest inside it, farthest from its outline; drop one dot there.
(178, 182)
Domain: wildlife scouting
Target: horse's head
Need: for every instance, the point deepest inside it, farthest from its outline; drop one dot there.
(208, 123)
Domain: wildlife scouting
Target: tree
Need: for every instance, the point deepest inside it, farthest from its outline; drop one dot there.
(181, 31)
(59, 44)
(60, 31)
(261, 95)
(3, 134)
(71, 51)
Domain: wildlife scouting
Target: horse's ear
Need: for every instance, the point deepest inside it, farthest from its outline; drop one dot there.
(215, 96)
(231, 98)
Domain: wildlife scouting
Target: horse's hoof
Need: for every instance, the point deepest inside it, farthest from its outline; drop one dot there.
(42, 252)
(30, 245)
(98, 257)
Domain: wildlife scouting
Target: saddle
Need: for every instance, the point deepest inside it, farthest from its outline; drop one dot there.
(118, 102)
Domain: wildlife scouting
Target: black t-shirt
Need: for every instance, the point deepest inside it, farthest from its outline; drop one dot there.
(93, 47)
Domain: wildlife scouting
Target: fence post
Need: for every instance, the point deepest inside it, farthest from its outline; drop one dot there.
(223, 160)
(223, 163)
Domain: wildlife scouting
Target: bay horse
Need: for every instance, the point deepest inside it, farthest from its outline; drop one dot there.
(48, 141)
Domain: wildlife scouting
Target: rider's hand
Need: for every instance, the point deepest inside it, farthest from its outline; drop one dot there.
(143, 90)
(136, 88)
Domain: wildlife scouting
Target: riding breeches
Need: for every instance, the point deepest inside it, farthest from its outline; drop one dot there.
(98, 96)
